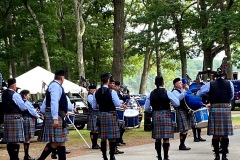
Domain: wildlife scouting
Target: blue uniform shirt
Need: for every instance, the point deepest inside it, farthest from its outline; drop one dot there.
(31, 109)
(17, 98)
(56, 93)
(205, 89)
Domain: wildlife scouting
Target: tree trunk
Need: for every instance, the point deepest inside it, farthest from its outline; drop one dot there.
(146, 66)
(156, 46)
(41, 35)
(80, 27)
(226, 40)
(9, 42)
(118, 40)
(146, 69)
(183, 56)
(227, 49)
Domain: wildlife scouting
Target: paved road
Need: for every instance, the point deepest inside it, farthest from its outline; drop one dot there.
(199, 151)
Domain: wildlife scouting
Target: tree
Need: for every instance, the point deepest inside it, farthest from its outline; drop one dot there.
(41, 34)
(118, 40)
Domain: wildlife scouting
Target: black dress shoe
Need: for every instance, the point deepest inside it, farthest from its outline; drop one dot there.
(159, 158)
(200, 139)
(123, 143)
(217, 158)
(119, 144)
(28, 158)
(196, 140)
(224, 158)
(184, 148)
(112, 158)
(118, 152)
(54, 156)
(67, 151)
(96, 147)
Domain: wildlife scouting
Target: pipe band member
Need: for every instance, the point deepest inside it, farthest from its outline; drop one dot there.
(13, 120)
(54, 128)
(183, 119)
(219, 120)
(159, 100)
(92, 119)
(106, 100)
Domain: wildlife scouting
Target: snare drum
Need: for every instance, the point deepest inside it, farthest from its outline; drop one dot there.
(131, 118)
(173, 117)
(200, 118)
(120, 113)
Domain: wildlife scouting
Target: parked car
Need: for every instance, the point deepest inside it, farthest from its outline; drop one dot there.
(81, 112)
(141, 98)
(236, 101)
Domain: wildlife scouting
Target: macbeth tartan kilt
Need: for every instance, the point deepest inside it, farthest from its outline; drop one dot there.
(162, 124)
(92, 121)
(29, 126)
(50, 134)
(220, 120)
(109, 127)
(13, 128)
(183, 121)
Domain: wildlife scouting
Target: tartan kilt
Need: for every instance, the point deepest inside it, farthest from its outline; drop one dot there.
(29, 126)
(192, 119)
(109, 127)
(183, 121)
(162, 124)
(50, 134)
(92, 121)
(220, 120)
(13, 128)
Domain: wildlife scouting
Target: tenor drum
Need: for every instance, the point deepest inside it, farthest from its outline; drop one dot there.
(200, 118)
(131, 118)
(120, 113)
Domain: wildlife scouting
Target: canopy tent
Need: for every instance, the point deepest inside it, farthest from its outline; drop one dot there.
(37, 79)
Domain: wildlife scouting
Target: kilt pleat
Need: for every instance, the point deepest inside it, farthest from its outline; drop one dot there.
(13, 128)
(109, 127)
(49, 133)
(183, 121)
(220, 120)
(162, 124)
(92, 121)
(29, 127)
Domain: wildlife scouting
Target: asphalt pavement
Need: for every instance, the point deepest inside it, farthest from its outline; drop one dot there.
(199, 150)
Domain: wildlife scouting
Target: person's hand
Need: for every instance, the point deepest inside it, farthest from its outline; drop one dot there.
(185, 86)
(55, 123)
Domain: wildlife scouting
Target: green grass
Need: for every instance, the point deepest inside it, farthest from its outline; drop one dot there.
(236, 120)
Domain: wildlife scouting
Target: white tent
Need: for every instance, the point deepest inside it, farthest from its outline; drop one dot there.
(37, 79)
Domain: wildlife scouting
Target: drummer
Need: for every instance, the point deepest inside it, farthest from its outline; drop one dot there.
(124, 99)
(160, 100)
(92, 119)
(112, 85)
(219, 122)
(183, 119)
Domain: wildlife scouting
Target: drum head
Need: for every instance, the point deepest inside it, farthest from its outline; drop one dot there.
(130, 113)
